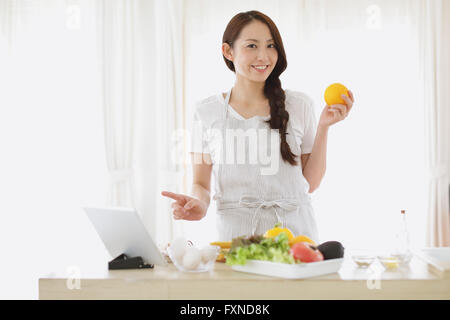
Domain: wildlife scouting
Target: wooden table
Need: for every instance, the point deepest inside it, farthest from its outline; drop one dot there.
(416, 282)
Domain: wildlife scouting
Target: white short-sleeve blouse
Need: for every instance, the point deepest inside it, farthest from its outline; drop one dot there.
(301, 115)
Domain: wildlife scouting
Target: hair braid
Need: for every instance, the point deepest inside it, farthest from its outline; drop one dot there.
(279, 117)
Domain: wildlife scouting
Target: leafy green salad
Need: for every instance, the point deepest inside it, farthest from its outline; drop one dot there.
(259, 248)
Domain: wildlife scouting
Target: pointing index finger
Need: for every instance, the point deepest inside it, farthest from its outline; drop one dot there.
(172, 195)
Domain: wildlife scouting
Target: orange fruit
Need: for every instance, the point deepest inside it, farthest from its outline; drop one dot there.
(333, 94)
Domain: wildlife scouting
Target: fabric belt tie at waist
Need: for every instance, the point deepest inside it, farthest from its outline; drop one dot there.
(252, 202)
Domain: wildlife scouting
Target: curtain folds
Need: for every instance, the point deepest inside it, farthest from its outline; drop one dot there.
(119, 63)
(435, 52)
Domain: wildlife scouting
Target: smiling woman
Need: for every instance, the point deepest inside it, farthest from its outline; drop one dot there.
(249, 199)
(265, 55)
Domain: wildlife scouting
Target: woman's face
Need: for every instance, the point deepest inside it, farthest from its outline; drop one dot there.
(254, 49)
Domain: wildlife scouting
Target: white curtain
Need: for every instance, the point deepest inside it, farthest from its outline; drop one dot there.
(161, 159)
(435, 65)
(143, 92)
(119, 63)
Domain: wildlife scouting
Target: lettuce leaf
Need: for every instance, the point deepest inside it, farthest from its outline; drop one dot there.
(260, 248)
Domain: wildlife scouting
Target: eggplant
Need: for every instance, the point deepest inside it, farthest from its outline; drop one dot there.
(331, 250)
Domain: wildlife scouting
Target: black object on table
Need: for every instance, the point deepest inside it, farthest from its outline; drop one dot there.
(125, 262)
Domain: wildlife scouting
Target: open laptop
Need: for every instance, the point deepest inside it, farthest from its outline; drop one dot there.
(123, 232)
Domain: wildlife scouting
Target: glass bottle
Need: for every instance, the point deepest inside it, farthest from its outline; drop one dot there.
(403, 248)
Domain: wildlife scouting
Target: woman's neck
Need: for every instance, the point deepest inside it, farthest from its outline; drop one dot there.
(248, 93)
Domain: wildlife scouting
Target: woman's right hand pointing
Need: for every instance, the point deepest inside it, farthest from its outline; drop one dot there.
(186, 207)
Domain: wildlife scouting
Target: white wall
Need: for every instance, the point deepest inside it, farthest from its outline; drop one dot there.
(52, 150)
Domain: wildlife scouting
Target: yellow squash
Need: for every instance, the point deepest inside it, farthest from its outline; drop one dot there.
(224, 248)
(277, 230)
(301, 238)
(222, 244)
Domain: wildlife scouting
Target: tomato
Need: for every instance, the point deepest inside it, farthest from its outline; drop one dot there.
(304, 252)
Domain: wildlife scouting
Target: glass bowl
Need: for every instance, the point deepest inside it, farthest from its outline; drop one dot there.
(363, 261)
(389, 261)
(404, 259)
(208, 256)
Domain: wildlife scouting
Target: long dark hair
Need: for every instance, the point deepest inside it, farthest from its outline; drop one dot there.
(279, 117)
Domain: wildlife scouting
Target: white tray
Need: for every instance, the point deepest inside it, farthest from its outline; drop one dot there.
(438, 257)
(290, 271)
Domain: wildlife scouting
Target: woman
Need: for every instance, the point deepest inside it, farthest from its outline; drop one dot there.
(250, 200)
